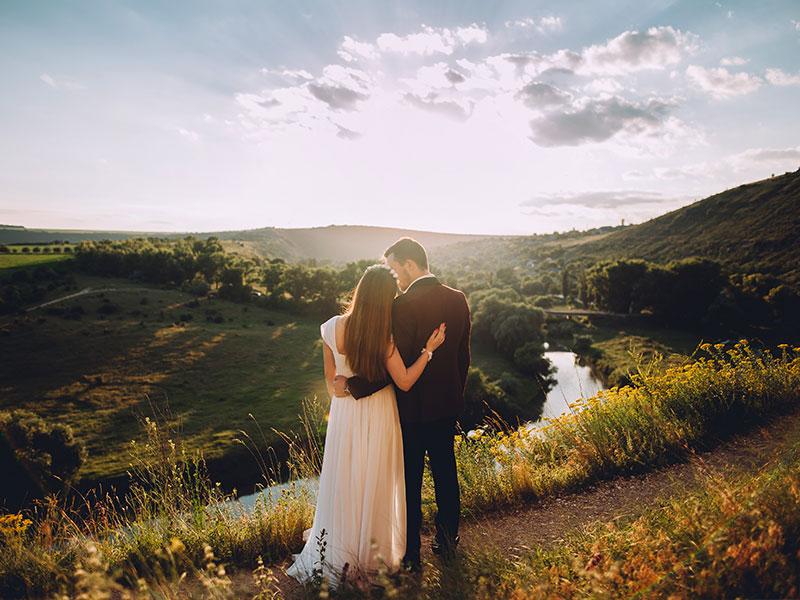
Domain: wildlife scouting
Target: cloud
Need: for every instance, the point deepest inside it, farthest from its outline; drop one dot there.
(777, 77)
(351, 50)
(657, 48)
(337, 97)
(64, 82)
(606, 199)
(190, 135)
(796, 25)
(341, 88)
(598, 120)
(604, 85)
(773, 158)
(769, 155)
(454, 77)
(544, 25)
(539, 95)
(734, 61)
(347, 134)
(447, 108)
(432, 40)
(721, 83)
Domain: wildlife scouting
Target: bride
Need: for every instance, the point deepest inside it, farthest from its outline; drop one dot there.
(360, 518)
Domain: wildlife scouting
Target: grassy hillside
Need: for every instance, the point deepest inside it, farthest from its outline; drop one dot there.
(754, 226)
(95, 362)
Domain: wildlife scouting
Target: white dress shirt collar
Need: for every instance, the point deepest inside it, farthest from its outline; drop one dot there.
(417, 279)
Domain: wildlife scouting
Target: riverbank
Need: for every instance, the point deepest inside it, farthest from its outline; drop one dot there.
(665, 418)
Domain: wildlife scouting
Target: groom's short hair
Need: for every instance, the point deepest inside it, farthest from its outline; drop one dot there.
(406, 248)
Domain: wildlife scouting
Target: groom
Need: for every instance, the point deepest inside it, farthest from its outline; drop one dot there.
(428, 411)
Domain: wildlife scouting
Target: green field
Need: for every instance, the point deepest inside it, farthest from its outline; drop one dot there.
(99, 372)
(11, 261)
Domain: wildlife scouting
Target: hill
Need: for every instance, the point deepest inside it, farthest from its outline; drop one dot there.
(755, 226)
(336, 244)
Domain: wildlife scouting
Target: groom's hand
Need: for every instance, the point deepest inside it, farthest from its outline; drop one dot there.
(340, 386)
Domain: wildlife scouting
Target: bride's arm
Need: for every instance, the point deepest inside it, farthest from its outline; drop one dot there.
(404, 377)
(330, 367)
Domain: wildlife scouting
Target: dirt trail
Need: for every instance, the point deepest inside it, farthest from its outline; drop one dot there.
(546, 522)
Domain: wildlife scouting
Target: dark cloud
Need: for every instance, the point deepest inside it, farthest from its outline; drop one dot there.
(347, 134)
(447, 108)
(537, 95)
(268, 103)
(609, 199)
(337, 97)
(598, 120)
(454, 77)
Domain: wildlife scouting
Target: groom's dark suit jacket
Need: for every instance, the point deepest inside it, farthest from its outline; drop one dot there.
(439, 392)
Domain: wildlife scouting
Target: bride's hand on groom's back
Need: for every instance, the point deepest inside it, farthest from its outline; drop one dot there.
(436, 338)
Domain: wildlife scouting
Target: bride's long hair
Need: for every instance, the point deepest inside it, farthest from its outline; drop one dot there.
(368, 329)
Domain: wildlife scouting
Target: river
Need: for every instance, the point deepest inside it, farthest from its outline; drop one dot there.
(573, 381)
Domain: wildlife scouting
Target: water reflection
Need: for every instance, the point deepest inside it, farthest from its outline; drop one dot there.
(573, 381)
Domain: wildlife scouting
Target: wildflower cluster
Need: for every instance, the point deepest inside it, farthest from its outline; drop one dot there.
(667, 412)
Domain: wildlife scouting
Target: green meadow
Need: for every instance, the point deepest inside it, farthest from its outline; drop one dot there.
(101, 361)
(10, 261)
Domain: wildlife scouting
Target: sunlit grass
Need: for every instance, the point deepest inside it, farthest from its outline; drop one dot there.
(175, 520)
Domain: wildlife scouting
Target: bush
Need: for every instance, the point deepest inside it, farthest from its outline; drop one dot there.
(543, 301)
(36, 457)
(582, 345)
(108, 309)
(529, 359)
(481, 397)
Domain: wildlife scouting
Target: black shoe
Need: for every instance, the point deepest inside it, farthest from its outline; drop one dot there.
(446, 548)
(412, 566)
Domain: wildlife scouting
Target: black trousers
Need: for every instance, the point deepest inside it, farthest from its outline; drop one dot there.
(436, 438)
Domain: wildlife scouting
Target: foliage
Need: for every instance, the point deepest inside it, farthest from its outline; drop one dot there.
(36, 457)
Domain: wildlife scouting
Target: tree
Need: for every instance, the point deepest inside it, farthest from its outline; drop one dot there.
(481, 396)
(611, 284)
(529, 359)
(36, 457)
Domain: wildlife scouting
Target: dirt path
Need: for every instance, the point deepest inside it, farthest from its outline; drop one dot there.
(545, 523)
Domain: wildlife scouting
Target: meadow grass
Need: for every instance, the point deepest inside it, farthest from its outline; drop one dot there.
(738, 535)
(12, 261)
(158, 347)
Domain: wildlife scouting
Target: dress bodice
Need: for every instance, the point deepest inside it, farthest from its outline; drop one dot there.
(328, 331)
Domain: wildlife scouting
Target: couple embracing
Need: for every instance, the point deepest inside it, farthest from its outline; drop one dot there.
(369, 504)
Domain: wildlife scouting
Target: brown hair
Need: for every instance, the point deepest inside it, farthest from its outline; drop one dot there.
(368, 329)
(406, 248)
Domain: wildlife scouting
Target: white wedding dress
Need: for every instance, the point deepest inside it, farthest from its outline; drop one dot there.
(360, 518)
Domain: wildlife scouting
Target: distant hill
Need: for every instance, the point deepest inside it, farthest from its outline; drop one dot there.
(755, 226)
(336, 244)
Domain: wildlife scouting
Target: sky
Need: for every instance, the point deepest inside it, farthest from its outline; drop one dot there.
(468, 116)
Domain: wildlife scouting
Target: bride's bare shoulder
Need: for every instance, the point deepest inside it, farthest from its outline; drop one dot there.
(339, 324)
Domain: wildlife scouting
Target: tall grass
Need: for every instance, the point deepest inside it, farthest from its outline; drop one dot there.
(175, 527)
(737, 536)
(166, 531)
(666, 414)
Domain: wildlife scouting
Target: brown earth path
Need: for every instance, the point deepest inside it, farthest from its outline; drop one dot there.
(544, 523)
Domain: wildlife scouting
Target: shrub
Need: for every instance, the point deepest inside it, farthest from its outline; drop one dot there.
(481, 396)
(108, 309)
(543, 301)
(529, 359)
(36, 457)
